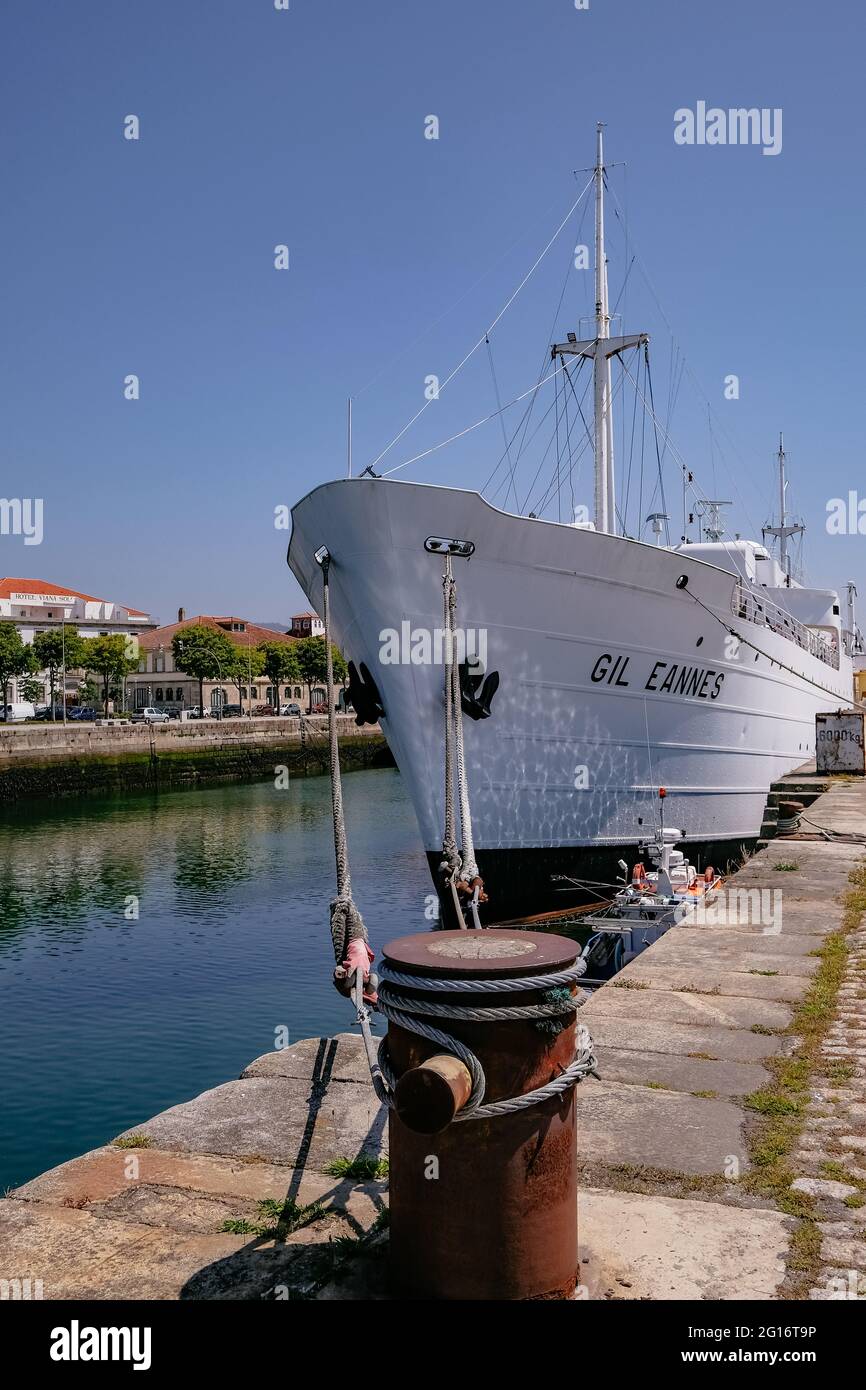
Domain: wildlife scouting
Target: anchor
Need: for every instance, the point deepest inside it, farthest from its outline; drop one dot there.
(477, 691)
(362, 694)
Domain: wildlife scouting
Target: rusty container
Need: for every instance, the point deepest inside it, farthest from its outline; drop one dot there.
(484, 1208)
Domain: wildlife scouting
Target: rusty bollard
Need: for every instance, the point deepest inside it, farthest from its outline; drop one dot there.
(483, 1208)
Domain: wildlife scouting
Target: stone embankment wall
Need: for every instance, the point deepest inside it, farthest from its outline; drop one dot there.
(45, 760)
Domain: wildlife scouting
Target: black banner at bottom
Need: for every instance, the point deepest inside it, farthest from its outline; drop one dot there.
(257, 1337)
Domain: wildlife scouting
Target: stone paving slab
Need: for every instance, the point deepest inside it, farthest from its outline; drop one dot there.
(731, 983)
(823, 856)
(821, 866)
(271, 1119)
(680, 1039)
(689, 1074)
(624, 1124)
(805, 917)
(315, 1060)
(103, 1174)
(175, 1209)
(638, 1247)
(77, 1255)
(186, 1210)
(733, 949)
(699, 1010)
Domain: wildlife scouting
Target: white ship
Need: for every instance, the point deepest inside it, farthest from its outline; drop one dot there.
(621, 665)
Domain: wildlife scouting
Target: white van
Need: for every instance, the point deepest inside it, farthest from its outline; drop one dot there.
(22, 710)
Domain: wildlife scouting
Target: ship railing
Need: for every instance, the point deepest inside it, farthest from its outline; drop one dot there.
(747, 605)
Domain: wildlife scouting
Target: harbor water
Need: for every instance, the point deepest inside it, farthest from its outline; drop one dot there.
(151, 946)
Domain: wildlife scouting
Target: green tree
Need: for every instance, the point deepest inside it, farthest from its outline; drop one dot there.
(16, 658)
(88, 692)
(312, 658)
(249, 663)
(279, 663)
(205, 653)
(30, 689)
(109, 659)
(49, 648)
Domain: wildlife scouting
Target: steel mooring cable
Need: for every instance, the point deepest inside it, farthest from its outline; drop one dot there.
(404, 1011)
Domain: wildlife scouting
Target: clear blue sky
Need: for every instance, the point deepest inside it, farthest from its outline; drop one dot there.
(261, 127)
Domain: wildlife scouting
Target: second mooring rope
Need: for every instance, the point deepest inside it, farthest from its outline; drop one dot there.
(459, 866)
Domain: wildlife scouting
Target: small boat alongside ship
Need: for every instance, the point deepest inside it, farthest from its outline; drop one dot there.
(670, 893)
(609, 664)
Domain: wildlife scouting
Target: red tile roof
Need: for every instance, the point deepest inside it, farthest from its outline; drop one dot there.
(8, 587)
(253, 635)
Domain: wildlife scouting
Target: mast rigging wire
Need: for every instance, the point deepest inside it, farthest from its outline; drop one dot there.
(401, 353)
(468, 429)
(686, 366)
(656, 437)
(502, 423)
(487, 332)
(545, 358)
(513, 437)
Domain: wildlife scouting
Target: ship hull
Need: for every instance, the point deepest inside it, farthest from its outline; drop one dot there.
(618, 675)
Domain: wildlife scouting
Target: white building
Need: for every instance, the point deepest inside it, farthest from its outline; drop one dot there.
(34, 605)
(307, 625)
(160, 682)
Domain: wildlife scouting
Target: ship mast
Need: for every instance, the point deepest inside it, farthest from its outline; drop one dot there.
(605, 514)
(601, 349)
(783, 531)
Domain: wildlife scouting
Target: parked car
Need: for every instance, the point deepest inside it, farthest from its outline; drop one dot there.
(150, 715)
(45, 713)
(232, 711)
(84, 713)
(21, 709)
(291, 709)
(264, 709)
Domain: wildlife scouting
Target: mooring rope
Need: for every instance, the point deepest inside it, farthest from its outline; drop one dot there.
(347, 924)
(451, 856)
(469, 868)
(458, 864)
